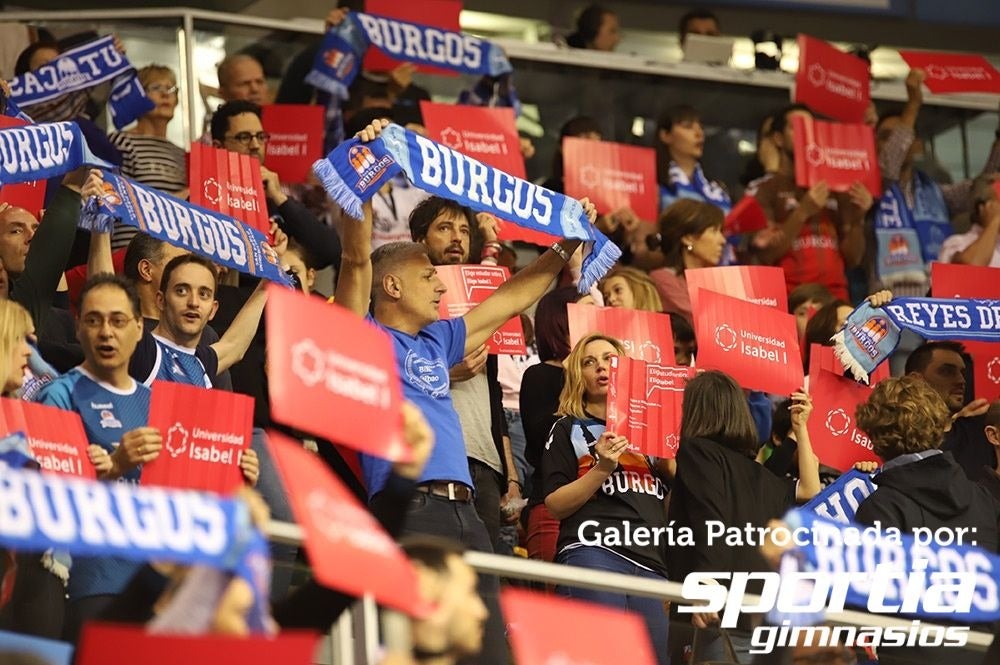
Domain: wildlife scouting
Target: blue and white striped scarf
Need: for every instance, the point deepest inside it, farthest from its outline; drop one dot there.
(39, 152)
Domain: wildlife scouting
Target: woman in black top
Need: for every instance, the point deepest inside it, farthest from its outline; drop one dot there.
(603, 492)
(718, 481)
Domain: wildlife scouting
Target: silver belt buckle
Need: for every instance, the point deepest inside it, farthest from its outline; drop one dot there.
(451, 491)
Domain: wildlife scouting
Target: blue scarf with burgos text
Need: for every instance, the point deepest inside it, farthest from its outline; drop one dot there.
(40, 511)
(355, 171)
(47, 150)
(870, 334)
(839, 501)
(205, 232)
(12, 110)
(84, 67)
(342, 51)
(890, 572)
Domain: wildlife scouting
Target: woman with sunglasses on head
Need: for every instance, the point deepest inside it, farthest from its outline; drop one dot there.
(148, 156)
(596, 485)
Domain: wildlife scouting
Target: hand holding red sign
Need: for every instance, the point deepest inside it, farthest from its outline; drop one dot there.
(538, 631)
(229, 183)
(835, 153)
(205, 433)
(949, 73)
(332, 374)
(644, 404)
(757, 345)
(832, 82)
(341, 536)
(55, 436)
(746, 216)
(612, 175)
(469, 285)
(761, 285)
(296, 139)
(835, 436)
(645, 335)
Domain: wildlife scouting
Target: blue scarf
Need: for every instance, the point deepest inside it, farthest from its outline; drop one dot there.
(833, 548)
(353, 172)
(339, 59)
(12, 110)
(15, 452)
(92, 518)
(908, 240)
(205, 232)
(492, 91)
(871, 334)
(81, 68)
(840, 500)
(39, 152)
(698, 187)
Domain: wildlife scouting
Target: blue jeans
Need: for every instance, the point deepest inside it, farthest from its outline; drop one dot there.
(270, 488)
(651, 609)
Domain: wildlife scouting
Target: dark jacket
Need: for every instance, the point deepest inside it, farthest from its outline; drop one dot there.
(933, 492)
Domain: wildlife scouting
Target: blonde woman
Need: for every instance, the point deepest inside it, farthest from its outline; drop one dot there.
(15, 352)
(595, 484)
(632, 289)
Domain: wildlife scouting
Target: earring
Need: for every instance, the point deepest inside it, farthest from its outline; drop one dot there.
(690, 248)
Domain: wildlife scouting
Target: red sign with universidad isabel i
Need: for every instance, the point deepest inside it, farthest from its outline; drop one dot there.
(296, 139)
(841, 154)
(761, 285)
(645, 335)
(55, 437)
(205, 433)
(612, 175)
(949, 73)
(644, 404)
(757, 345)
(469, 285)
(831, 82)
(229, 183)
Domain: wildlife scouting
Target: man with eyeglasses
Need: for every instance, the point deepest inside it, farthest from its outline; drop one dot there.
(114, 409)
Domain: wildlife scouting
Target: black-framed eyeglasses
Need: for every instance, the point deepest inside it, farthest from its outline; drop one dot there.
(246, 138)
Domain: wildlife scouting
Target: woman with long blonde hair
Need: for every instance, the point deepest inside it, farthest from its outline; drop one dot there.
(630, 288)
(15, 352)
(595, 484)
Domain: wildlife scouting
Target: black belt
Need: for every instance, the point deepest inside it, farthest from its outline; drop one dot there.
(449, 490)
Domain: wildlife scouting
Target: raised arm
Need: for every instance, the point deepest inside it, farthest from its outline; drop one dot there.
(231, 346)
(811, 203)
(519, 292)
(99, 254)
(809, 484)
(893, 149)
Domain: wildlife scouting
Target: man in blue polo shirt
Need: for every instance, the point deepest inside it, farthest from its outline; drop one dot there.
(404, 290)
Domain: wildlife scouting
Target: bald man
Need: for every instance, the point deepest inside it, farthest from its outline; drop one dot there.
(241, 77)
(17, 228)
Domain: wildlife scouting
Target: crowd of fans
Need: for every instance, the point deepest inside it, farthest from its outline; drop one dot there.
(511, 452)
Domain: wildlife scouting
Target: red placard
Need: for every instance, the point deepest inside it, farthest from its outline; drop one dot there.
(835, 436)
(296, 139)
(761, 285)
(469, 285)
(490, 136)
(823, 359)
(832, 82)
(755, 344)
(204, 435)
(612, 175)
(948, 73)
(950, 280)
(538, 631)
(107, 644)
(645, 335)
(746, 216)
(28, 195)
(434, 13)
(55, 436)
(229, 183)
(341, 537)
(644, 404)
(343, 387)
(838, 153)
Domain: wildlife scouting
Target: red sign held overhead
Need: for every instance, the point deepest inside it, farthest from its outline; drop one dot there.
(341, 536)
(746, 216)
(612, 175)
(433, 13)
(28, 195)
(645, 335)
(833, 430)
(205, 433)
(538, 631)
(113, 644)
(761, 285)
(949, 280)
(296, 139)
(344, 386)
(832, 82)
(644, 404)
(55, 436)
(229, 183)
(949, 73)
(469, 285)
(757, 345)
(840, 154)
